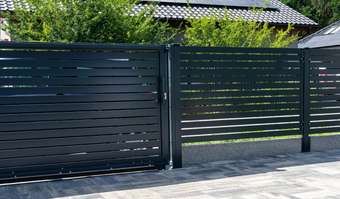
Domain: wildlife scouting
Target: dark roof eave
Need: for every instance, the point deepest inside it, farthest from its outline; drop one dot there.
(270, 23)
(210, 6)
(321, 47)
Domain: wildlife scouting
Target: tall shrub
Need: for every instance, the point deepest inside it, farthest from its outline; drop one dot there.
(212, 31)
(87, 21)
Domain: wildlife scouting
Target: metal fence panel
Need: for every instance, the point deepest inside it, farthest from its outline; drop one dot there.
(84, 107)
(79, 108)
(233, 93)
(324, 91)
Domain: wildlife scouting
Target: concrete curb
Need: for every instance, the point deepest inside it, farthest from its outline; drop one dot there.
(325, 143)
(195, 154)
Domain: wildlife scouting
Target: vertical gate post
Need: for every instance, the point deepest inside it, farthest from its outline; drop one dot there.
(305, 102)
(175, 107)
(163, 95)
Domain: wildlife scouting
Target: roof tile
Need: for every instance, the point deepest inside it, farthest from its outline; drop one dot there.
(284, 14)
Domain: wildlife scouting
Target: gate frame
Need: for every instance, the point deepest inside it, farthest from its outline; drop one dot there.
(164, 105)
(162, 100)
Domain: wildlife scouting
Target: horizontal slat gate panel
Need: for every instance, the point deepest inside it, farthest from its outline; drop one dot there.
(238, 121)
(192, 110)
(325, 90)
(79, 89)
(53, 170)
(226, 90)
(234, 56)
(240, 93)
(78, 72)
(324, 104)
(42, 160)
(315, 98)
(220, 78)
(85, 63)
(209, 101)
(240, 114)
(90, 123)
(239, 72)
(325, 110)
(325, 123)
(74, 98)
(90, 81)
(88, 148)
(100, 114)
(78, 109)
(325, 130)
(320, 80)
(324, 87)
(237, 136)
(56, 133)
(228, 64)
(244, 128)
(82, 56)
(241, 85)
(223, 50)
(325, 117)
(64, 107)
(81, 140)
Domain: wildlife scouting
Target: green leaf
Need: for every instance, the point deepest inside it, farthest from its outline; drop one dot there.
(104, 21)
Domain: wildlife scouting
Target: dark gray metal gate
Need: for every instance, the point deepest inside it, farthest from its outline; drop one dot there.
(66, 109)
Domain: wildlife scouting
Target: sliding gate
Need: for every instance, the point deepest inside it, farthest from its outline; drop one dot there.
(66, 109)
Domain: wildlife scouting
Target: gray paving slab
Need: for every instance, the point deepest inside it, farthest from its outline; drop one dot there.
(296, 176)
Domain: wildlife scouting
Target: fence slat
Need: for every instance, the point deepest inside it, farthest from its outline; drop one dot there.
(239, 136)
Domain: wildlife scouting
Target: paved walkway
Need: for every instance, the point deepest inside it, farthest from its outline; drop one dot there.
(305, 176)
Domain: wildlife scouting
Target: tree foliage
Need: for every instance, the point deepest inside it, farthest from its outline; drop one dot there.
(211, 31)
(111, 21)
(87, 21)
(322, 11)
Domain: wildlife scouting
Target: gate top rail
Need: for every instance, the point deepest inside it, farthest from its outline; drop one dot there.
(83, 46)
(237, 49)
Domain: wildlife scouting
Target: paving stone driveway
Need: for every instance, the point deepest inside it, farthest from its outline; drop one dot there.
(307, 176)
